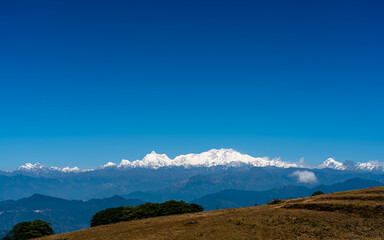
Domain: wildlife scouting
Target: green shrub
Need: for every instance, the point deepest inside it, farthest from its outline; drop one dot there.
(146, 210)
(275, 201)
(28, 230)
(317, 193)
(110, 215)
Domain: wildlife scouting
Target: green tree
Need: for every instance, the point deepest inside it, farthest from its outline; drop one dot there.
(317, 193)
(275, 201)
(146, 210)
(28, 230)
(196, 207)
(111, 215)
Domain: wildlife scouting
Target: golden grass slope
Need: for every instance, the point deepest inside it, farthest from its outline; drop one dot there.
(355, 214)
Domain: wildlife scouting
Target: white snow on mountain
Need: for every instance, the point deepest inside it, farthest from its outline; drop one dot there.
(331, 163)
(68, 169)
(30, 167)
(370, 166)
(152, 160)
(37, 167)
(211, 158)
(109, 165)
(362, 166)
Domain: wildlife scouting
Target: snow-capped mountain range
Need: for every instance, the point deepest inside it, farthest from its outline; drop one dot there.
(37, 167)
(211, 158)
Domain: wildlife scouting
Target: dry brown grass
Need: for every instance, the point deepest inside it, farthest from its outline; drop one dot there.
(346, 215)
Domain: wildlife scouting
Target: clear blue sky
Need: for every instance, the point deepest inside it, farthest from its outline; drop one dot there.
(87, 82)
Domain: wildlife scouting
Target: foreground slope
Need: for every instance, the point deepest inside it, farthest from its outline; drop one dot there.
(357, 214)
(232, 198)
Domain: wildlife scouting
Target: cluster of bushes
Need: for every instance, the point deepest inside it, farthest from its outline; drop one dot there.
(317, 193)
(275, 201)
(147, 210)
(28, 230)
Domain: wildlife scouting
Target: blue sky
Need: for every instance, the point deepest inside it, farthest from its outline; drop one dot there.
(87, 82)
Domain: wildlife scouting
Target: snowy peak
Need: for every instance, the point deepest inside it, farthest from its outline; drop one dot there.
(109, 165)
(225, 157)
(360, 166)
(370, 166)
(29, 167)
(331, 163)
(68, 169)
(155, 160)
(229, 158)
(152, 160)
(39, 168)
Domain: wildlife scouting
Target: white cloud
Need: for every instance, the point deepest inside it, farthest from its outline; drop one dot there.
(304, 176)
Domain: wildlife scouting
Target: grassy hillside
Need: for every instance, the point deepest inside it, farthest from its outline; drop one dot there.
(355, 214)
(231, 198)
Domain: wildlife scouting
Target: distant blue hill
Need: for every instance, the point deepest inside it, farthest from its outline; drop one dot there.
(231, 198)
(65, 215)
(164, 183)
(254, 179)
